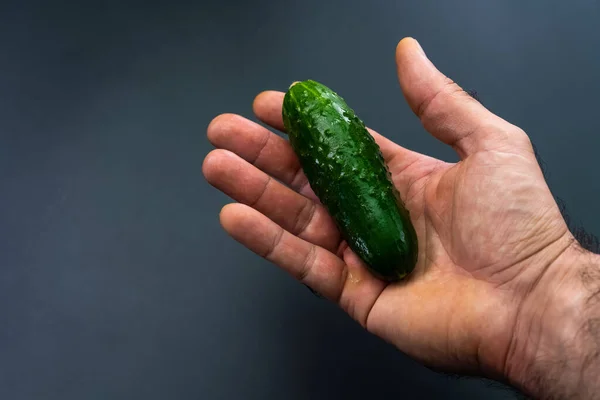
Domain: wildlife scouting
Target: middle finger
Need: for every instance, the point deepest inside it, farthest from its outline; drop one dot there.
(295, 213)
(260, 147)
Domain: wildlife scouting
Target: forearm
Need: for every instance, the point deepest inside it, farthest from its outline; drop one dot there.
(555, 353)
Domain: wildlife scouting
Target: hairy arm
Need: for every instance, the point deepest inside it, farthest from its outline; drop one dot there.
(556, 353)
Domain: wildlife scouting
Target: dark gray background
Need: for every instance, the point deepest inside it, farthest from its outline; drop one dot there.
(116, 280)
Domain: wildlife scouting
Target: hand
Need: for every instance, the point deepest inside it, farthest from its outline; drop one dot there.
(489, 229)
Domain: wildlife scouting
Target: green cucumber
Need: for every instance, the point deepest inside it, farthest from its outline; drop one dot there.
(347, 172)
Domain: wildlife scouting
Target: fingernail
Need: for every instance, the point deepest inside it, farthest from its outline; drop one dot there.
(420, 48)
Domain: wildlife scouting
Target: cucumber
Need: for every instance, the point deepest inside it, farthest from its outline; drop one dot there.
(347, 172)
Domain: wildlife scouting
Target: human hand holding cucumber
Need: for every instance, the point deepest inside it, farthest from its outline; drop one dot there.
(497, 281)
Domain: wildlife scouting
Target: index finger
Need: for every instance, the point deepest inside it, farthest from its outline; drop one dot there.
(268, 105)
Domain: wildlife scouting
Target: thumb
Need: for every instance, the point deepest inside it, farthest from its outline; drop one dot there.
(444, 108)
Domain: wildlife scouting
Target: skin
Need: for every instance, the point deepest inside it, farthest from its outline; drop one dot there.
(495, 255)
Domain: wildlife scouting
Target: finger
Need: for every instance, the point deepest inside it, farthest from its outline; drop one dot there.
(361, 290)
(260, 147)
(445, 109)
(247, 184)
(310, 264)
(268, 105)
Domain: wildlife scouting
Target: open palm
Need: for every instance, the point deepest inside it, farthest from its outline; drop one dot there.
(488, 226)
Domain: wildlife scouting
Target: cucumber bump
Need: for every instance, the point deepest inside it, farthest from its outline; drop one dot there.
(347, 172)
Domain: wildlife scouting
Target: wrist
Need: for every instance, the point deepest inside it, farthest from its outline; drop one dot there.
(556, 342)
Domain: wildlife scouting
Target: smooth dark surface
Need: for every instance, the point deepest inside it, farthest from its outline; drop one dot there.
(116, 280)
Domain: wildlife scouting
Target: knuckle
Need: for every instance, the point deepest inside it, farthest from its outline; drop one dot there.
(521, 138)
(276, 240)
(307, 265)
(262, 192)
(304, 217)
(429, 108)
(297, 177)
